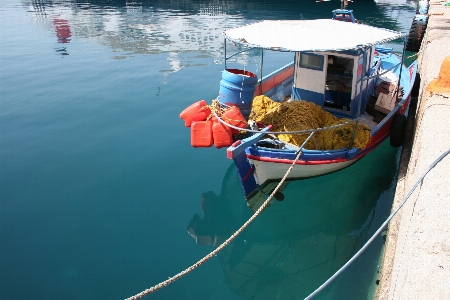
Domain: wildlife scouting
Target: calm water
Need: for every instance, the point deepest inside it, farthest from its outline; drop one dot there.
(99, 184)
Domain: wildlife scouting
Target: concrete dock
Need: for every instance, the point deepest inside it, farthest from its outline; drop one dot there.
(416, 260)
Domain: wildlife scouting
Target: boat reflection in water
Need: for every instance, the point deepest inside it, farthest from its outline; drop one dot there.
(298, 243)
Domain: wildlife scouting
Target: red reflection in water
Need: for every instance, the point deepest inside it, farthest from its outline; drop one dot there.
(62, 30)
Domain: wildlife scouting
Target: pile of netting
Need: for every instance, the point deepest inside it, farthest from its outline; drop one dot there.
(304, 115)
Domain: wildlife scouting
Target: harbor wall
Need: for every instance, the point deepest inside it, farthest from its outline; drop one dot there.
(416, 259)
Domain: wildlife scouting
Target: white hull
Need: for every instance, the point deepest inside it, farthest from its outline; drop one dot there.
(275, 171)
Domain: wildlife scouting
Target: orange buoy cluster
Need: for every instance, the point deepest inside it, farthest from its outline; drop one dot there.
(206, 130)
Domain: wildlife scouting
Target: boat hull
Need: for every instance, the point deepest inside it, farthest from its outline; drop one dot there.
(270, 170)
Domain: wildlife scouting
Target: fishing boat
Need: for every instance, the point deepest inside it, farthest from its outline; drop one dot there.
(338, 65)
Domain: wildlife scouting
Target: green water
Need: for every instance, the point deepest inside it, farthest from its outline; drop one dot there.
(99, 184)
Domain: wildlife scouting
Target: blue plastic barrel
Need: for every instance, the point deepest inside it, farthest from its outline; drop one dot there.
(237, 88)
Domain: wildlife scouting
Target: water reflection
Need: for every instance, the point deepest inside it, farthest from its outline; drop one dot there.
(297, 243)
(62, 51)
(62, 30)
(222, 214)
(182, 28)
(151, 27)
(401, 11)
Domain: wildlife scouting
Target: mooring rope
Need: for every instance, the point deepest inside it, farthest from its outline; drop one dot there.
(415, 54)
(382, 73)
(284, 132)
(326, 283)
(228, 241)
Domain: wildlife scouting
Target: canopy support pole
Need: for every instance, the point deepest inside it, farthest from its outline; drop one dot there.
(261, 73)
(361, 82)
(225, 51)
(401, 69)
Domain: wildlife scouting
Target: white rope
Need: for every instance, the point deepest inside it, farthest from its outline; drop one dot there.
(320, 288)
(418, 52)
(283, 132)
(228, 241)
(384, 72)
(415, 54)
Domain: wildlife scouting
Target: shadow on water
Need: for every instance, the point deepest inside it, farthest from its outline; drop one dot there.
(298, 243)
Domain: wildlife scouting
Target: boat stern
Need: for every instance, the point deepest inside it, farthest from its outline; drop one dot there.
(245, 170)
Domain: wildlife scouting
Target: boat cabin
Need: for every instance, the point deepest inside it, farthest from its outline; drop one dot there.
(334, 62)
(333, 80)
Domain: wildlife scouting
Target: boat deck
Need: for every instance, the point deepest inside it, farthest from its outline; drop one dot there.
(371, 117)
(368, 120)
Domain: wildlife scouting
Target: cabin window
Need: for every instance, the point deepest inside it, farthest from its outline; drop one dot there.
(339, 82)
(311, 61)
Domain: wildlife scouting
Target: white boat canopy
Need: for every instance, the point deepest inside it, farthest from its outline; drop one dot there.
(309, 35)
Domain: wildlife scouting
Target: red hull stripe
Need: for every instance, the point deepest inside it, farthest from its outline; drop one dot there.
(299, 162)
(275, 80)
(371, 147)
(248, 173)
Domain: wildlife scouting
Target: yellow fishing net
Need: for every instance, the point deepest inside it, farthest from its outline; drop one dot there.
(303, 115)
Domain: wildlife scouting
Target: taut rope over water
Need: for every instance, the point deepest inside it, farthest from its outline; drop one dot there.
(228, 241)
(357, 254)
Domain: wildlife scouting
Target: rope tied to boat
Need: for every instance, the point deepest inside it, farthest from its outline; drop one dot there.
(413, 55)
(263, 206)
(377, 74)
(385, 223)
(218, 111)
(228, 241)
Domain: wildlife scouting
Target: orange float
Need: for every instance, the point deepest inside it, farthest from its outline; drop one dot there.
(198, 111)
(234, 117)
(221, 135)
(201, 134)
